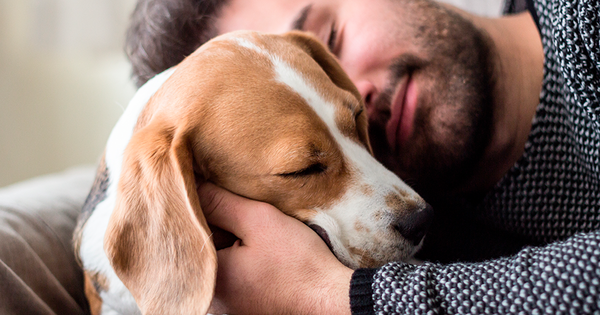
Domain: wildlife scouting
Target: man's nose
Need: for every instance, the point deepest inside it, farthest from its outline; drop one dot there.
(368, 91)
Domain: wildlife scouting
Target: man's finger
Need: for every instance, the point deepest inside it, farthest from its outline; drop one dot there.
(225, 210)
(219, 207)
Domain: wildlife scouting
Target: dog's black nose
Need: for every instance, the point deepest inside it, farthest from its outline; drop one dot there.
(414, 226)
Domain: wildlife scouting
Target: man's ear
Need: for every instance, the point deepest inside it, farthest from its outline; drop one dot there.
(158, 241)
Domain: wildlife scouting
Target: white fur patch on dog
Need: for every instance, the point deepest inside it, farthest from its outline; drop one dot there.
(117, 300)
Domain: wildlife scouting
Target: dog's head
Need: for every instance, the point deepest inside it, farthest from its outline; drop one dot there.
(272, 118)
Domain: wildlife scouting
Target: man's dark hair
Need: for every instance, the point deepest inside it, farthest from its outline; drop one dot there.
(164, 32)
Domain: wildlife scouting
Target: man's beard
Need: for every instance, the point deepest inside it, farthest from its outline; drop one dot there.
(453, 118)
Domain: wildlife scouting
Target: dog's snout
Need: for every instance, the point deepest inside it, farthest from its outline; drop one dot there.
(414, 226)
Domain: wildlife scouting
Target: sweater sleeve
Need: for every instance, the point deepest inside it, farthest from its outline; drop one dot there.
(560, 278)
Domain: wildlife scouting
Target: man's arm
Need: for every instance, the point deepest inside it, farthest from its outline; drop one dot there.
(281, 266)
(561, 278)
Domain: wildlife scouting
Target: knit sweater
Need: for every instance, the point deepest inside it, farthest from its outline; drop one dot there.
(532, 244)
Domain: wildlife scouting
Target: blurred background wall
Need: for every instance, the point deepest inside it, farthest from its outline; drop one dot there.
(64, 80)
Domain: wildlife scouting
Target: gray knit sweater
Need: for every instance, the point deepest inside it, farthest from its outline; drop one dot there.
(532, 244)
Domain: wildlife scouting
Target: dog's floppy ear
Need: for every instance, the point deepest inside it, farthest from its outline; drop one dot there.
(313, 47)
(158, 240)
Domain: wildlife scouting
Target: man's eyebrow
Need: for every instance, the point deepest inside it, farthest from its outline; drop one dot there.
(300, 19)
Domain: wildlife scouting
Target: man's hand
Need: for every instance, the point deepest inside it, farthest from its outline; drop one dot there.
(278, 265)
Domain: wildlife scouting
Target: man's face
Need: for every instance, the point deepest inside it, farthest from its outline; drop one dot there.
(423, 71)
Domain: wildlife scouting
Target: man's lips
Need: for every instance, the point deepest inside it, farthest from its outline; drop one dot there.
(402, 108)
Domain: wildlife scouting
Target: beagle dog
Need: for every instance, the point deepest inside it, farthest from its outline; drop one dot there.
(269, 117)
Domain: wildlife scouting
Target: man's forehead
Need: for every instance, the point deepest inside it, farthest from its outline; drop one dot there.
(270, 16)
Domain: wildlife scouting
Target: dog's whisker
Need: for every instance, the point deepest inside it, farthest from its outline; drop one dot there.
(206, 240)
(120, 106)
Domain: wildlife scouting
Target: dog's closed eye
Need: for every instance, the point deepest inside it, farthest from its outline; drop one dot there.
(314, 169)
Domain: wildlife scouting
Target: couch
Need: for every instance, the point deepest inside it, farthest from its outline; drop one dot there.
(38, 270)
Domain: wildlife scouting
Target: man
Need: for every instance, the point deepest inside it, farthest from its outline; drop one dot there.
(493, 121)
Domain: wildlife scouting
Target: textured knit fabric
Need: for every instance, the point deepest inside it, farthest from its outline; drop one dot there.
(547, 206)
